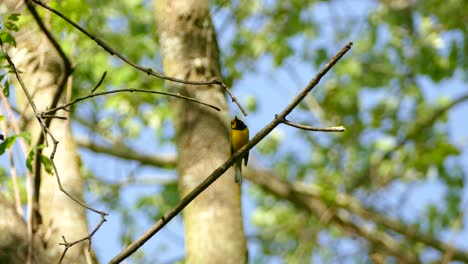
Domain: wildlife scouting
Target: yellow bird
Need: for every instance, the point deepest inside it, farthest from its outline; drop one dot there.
(239, 137)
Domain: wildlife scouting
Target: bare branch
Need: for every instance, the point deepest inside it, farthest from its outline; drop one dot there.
(178, 95)
(318, 129)
(20, 80)
(233, 97)
(100, 82)
(68, 245)
(148, 71)
(68, 69)
(127, 153)
(227, 164)
(44, 116)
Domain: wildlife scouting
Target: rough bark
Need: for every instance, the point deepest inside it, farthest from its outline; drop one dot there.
(14, 237)
(213, 222)
(41, 69)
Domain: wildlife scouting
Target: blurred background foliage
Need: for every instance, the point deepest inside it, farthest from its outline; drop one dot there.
(393, 92)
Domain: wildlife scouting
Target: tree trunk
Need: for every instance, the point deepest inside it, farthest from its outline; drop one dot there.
(41, 69)
(14, 238)
(213, 221)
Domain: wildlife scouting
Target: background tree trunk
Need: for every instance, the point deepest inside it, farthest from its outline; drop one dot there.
(14, 237)
(41, 69)
(213, 222)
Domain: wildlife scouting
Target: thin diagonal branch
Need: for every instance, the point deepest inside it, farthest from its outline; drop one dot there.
(100, 82)
(68, 245)
(68, 69)
(49, 35)
(233, 97)
(424, 124)
(20, 80)
(227, 164)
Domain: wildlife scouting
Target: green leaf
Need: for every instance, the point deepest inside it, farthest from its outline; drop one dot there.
(48, 166)
(3, 175)
(30, 159)
(6, 89)
(26, 135)
(14, 17)
(9, 141)
(6, 144)
(7, 38)
(31, 155)
(11, 26)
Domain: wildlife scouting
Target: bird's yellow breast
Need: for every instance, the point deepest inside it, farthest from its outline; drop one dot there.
(239, 138)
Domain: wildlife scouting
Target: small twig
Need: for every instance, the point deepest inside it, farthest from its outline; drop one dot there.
(63, 107)
(148, 71)
(20, 80)
(52, 156)
(233, 97)
(68, 245)
(103, 214)
(68, 69)
(54, 116)
(100, 82)
(318, 129)
(49, 35)
(135, 245)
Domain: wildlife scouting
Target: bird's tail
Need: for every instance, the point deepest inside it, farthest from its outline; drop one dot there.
(238, 177)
